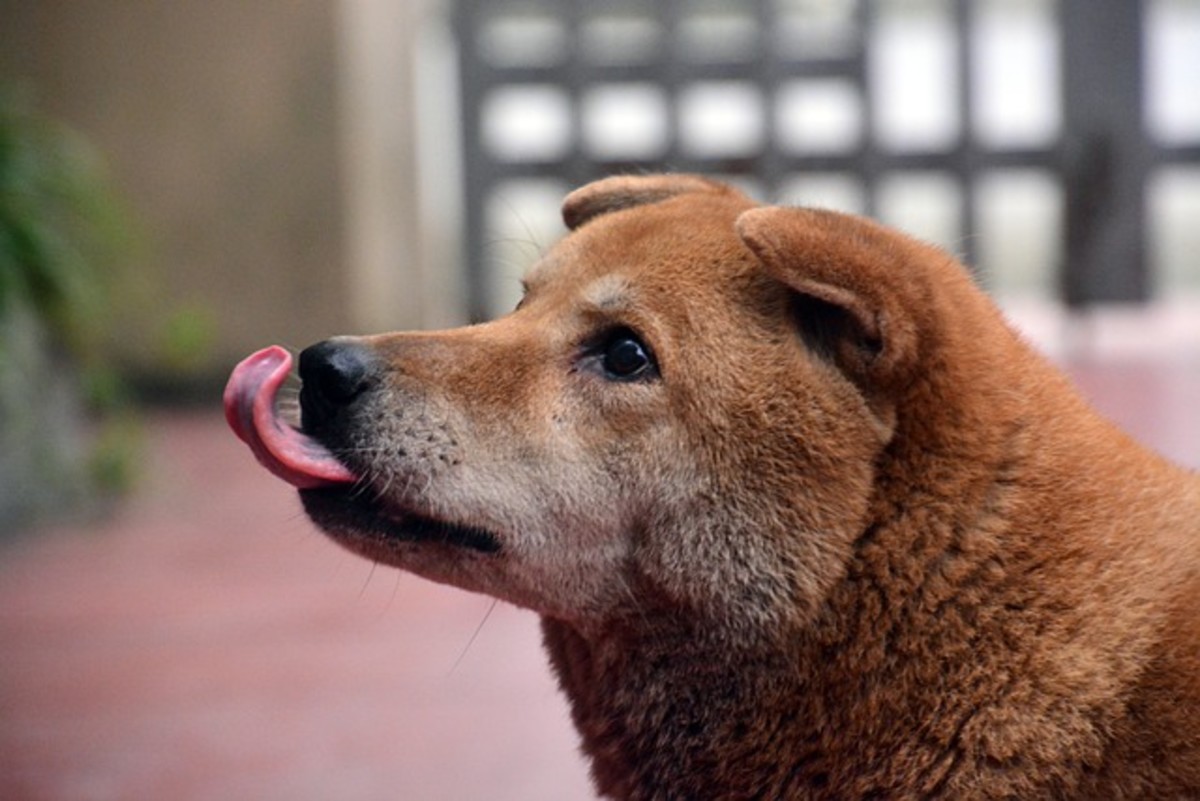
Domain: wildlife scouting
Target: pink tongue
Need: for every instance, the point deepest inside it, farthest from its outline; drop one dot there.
(250, 409)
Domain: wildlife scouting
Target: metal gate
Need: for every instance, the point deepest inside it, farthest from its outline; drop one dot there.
(800, 87)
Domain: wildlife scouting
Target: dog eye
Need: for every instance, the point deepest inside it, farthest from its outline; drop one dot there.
(624, 356)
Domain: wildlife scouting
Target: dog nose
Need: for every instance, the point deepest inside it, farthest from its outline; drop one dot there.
(334, 373)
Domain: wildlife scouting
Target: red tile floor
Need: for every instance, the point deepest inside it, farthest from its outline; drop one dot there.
(204, 642)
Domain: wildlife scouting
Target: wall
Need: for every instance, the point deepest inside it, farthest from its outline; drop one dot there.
(221, 121)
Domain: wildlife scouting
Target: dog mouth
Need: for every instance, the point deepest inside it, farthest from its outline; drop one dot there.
(335, 497)
(349, 512)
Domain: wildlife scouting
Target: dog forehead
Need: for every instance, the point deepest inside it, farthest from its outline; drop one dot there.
(689, 239)
(609, 291)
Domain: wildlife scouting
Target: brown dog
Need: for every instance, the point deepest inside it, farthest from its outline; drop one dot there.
(802, 516)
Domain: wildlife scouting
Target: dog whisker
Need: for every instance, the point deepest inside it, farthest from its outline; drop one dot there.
(474, 635)
(370, 574)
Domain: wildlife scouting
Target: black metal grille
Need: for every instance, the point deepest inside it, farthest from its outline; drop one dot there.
(766, 62)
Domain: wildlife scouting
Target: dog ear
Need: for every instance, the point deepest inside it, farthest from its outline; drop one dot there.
(855, 298)
(626, 191)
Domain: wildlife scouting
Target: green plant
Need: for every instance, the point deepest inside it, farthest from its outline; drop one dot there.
(62, 227)
(64, 235)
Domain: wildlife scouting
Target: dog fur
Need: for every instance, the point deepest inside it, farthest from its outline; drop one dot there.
(852, 538)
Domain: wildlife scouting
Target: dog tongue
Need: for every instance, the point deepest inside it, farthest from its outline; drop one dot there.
(250, 409)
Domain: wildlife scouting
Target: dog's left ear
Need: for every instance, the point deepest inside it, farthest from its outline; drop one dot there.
(855, 278)
(626, 191)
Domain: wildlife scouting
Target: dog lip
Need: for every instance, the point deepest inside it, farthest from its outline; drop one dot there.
(250, 410)
(344, 511)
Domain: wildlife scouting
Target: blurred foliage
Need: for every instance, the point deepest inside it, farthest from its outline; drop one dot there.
(63, 229)
(65, 235)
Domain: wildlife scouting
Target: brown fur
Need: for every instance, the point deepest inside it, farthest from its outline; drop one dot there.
(855, 540)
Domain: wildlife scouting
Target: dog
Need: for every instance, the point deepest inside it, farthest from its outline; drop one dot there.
(802, 516)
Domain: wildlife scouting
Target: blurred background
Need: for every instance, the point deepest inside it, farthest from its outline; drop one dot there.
(182, 183)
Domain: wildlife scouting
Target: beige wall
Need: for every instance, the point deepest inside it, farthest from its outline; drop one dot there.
(270, 170)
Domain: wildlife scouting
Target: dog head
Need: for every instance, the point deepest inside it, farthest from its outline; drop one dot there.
(685, 413)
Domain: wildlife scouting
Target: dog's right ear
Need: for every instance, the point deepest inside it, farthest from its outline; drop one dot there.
(626, 191)
(859, 293)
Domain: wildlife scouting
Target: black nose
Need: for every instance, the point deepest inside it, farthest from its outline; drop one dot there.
(334, 372)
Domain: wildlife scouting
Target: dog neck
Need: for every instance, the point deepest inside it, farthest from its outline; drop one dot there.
(668, 715)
